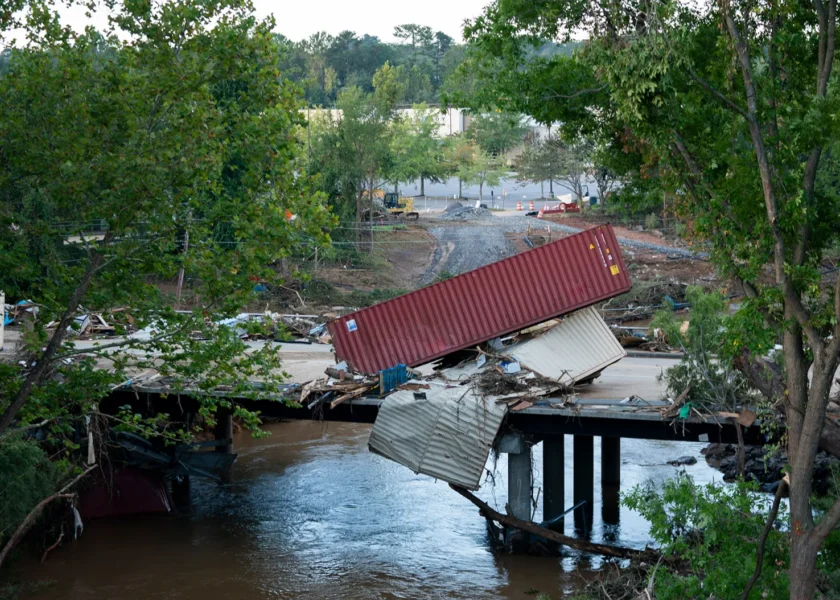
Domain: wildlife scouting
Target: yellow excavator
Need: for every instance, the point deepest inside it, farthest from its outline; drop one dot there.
(400, 207)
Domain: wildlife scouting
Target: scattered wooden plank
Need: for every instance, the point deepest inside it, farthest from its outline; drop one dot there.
(415, 387)
(350, 396)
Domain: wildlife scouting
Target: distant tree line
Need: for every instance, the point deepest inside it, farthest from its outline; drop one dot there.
(425, 62)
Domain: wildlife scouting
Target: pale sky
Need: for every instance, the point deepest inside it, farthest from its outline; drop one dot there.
(297, 19)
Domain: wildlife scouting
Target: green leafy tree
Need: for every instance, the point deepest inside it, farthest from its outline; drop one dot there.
(715, 529)
(702, 378)
(486, 170)
(730, 103)
(176, 123)
(323, 64)
(418, 85)
(574, 163)
(497, 133)
(417, 150)
(460, 154)
(440, 48)
(419, 39)
(536, 165)
(554, 160)
(351, 147)
(472, 165)
(606, 178)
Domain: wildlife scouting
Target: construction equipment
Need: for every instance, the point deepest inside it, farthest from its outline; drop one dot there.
(400, 207)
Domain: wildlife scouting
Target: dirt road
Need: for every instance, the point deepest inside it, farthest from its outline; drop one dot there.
(464, 248)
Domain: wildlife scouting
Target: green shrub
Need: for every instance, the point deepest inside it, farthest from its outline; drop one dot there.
(27, 476)
(326, 294)
(715, 529)
(705, 369)
(651, 221)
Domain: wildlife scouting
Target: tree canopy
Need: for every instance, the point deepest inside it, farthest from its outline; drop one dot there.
(730, 107)
(114, 149)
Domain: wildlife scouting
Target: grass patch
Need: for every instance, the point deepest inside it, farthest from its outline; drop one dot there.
(326, 294)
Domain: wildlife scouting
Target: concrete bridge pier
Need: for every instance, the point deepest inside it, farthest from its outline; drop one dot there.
(610, 480)
(554, 479)
(520, 485)
(224, 431)
(584, 483)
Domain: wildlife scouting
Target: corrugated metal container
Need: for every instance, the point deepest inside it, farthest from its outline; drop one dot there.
(474, 307)
(571, 351)
(446, 433)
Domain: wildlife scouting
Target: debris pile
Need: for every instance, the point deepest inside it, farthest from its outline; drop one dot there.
(643, 339)
(288, 328)
(444, 424)
(644, 300)
(20, 313)
(341, 385)
(766, 466)
(465, 213)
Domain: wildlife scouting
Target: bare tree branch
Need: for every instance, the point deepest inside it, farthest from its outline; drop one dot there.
(594, 90)
(530, 527)
(33, 515)
(762, 540)
(829, 521)
(37, 374)
(727, 102)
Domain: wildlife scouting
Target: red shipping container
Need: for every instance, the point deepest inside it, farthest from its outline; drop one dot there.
(477, 306)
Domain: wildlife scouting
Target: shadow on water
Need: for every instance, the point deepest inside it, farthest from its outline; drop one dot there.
(310, 513)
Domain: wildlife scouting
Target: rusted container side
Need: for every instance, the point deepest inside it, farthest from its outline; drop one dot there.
(477, 306)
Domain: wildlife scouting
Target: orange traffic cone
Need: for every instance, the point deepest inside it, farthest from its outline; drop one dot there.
(531, 206)
(540, 214)
(518, 206)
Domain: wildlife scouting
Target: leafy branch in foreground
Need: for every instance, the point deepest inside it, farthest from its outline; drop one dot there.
(699, 98)
(116, 149)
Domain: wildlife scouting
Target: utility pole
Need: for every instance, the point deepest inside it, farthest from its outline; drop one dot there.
(181, 270)
(550, 166)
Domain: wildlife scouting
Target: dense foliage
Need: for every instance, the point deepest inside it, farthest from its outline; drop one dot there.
(114, 149)
(705, 377)
(714, 529)
(728, 107)
(324, 64)
(28, 475)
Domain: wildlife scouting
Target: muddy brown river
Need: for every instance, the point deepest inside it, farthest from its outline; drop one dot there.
(309, 512)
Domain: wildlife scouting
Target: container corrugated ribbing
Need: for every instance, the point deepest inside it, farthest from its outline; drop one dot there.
(495, 300)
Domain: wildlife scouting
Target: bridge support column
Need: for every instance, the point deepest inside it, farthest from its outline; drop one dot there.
(554, 479)
(519, 487)
(224, 431)
(181, 491)
(610, 479)
(584, 482)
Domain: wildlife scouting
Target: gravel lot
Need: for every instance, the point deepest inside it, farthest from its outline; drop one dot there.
(464, 248)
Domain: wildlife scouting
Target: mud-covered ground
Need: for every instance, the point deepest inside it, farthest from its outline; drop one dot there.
(435, 247)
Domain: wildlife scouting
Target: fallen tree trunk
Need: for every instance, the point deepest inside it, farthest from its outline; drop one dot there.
(529, 527)
(33, 515)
